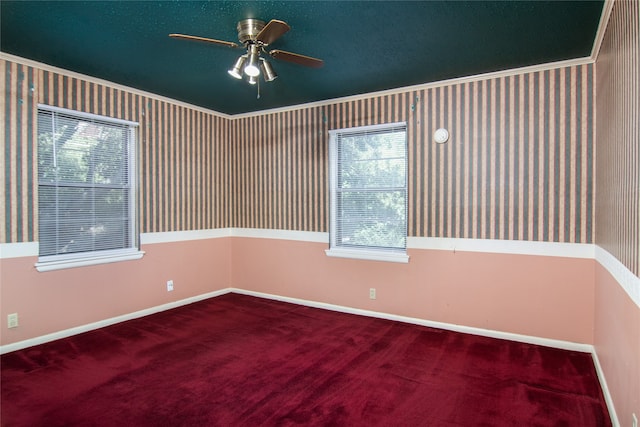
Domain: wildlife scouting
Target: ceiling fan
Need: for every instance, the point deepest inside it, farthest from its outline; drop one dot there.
(255, 35)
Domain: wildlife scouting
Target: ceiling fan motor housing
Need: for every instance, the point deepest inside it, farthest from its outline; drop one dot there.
(248, 29)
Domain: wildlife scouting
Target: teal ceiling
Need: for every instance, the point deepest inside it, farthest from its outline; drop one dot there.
(367, 46)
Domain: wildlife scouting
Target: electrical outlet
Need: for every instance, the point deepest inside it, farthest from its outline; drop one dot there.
(634, 420)
(12, 320)
(372, 293)
(169, 285)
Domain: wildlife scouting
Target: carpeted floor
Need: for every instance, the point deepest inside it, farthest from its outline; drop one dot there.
(237, 360)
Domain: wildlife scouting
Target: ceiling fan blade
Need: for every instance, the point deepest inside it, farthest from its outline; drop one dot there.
(272, 31)
(204, 39)
(296, 58)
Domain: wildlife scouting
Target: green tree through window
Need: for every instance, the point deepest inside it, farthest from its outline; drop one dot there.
(369, 188)
(85, 184)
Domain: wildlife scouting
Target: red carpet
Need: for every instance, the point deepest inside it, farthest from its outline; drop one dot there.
(236, 360)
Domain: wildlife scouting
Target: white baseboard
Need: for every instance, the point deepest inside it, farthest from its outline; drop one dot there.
(565, 345)
(529, 339)
(605, 390)
(107, 322)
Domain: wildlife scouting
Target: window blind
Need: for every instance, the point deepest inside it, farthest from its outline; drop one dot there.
(370, 189)
(85, 185)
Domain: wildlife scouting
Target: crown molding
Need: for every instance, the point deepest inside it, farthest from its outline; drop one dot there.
(602, 28)
(424, 86)
(460, 80)
(90, 79)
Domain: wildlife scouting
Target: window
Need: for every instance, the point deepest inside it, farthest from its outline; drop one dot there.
(368, 192)
(86, 189)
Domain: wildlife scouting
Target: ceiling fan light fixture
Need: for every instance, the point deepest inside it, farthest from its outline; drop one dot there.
(236, 71)
(254, 35)
(267, 71)
(252, 67)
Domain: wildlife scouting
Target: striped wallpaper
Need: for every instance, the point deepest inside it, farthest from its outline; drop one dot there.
(280, 171)
(618, 147)
(18, 181)
(183, 153)
(519, 164)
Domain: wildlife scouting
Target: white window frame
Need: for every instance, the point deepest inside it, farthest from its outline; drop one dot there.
(132, 252)
(335, 249)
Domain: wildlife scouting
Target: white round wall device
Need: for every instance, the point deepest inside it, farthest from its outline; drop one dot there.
(441, 136)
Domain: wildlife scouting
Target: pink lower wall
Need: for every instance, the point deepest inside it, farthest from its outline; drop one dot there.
(54, 301)
(569, 299)
(548, 297)
(617, 343)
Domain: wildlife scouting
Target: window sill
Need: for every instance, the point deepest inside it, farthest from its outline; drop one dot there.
(43, 266)
(368, 255)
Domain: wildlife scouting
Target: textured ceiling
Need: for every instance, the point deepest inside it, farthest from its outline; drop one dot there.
(366, 46)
